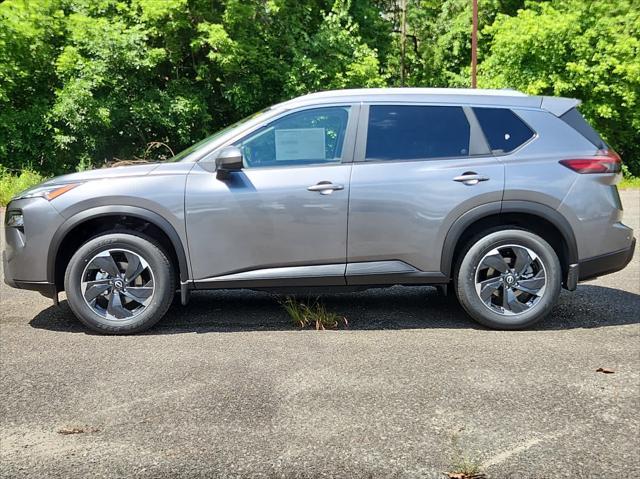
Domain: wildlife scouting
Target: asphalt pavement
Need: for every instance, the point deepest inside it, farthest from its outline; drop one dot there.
(228, 387)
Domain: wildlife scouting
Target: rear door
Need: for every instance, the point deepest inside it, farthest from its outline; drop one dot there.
(417, 169)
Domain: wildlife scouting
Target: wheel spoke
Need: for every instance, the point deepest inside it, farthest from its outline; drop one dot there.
(87, 284)
(106, 263)
(134, 267)
(115, 307)
(138, 294)
(526, 290)
(488, 287)
(505, 298)
(523, 259)
(497, 262)
(533, 285)
(95, 290)
(510, 302)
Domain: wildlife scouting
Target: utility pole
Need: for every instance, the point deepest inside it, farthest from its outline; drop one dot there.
(403, 40)
(474, 44)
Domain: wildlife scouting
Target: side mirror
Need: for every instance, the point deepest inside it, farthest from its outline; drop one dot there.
(229, 160)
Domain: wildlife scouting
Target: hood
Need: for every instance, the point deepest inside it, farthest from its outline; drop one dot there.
(103, 173)
(59, 182)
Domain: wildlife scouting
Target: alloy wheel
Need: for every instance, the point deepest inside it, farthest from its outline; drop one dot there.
(510, 279)
(117, 284)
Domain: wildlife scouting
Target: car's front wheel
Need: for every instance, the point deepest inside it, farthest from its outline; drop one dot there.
(508, 279)
(119, 283)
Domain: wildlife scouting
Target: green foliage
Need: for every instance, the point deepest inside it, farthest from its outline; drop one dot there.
(11, 184)
(438, 48)
(463, 465)
(85, 82)
(629, 184)
(629, 181)
(586, 50)
(334, 57)
(312, 314)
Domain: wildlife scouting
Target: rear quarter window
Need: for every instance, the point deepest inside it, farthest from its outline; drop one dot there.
(503, 129)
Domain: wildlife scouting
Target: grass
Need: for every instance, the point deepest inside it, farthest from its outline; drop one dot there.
(629, 183)
(12, 184)
(466, 469)
(462, 465)
(313, 314)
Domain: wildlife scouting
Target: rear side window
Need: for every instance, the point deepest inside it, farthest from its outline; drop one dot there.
(574, 119)
(503, 129)
(403, 132)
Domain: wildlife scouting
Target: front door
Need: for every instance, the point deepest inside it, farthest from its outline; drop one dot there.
(282, 220)
(417, 169)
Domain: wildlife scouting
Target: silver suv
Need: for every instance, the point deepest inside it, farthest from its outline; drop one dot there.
(503, 197)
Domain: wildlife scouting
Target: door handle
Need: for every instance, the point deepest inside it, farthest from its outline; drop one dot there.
(470, 178)
(325, 187)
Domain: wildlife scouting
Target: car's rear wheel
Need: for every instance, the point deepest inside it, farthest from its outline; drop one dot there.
(508, 279)
(119, 283)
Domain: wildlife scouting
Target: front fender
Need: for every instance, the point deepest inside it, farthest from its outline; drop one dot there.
(110, 210)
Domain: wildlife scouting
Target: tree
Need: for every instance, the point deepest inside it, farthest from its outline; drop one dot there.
(334, 57)
(30, 34)
(84, 82)
(88, 81)
(586, 50)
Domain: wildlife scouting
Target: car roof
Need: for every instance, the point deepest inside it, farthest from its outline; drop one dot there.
(458, 96)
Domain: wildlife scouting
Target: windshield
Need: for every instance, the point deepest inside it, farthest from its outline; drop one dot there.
(202, 144)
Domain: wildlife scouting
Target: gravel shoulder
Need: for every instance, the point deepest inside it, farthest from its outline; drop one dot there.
(227, 387)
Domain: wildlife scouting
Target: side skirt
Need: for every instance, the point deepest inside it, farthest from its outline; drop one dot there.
(334, 277)
(390, 273)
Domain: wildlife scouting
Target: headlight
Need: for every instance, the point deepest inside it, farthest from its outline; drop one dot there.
(47, 192)
(15, 219)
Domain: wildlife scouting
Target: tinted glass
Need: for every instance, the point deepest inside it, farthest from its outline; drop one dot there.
(502, 128)
(398, 132)
(303, 138)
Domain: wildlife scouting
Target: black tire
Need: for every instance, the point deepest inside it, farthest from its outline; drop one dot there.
(465, 280)
(159, 265)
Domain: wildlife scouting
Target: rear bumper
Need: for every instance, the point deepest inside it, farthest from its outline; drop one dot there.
(606, 263)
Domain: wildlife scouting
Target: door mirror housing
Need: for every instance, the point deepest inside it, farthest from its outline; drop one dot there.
(223, 162)
(228, 161)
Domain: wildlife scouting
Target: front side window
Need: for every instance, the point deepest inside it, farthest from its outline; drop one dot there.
(502, 128)
(405, 132)
(308, 137)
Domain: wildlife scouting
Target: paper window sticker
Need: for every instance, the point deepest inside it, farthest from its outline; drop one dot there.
(300, 144)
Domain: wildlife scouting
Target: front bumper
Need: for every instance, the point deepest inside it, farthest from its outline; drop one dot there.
(44, 288)
(25, 257)
(606, 263)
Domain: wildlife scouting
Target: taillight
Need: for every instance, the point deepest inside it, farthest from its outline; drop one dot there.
(605, 161)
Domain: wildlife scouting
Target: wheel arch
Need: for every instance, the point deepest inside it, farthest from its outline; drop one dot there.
(536, 217)
(57, 262)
